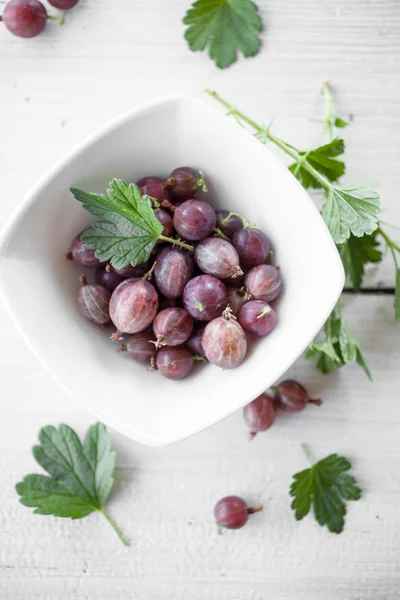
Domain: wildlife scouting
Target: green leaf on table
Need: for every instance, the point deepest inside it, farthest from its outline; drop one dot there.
(128, 230)
(226, 26)
(323, 159)
(350, 349)
(351, 209)
(81, 475)
(340, 123)
(397, 296)
(325, 486)
(357, 252)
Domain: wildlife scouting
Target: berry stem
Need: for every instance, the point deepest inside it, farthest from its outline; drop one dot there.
(83, 280)
(169, 205)
(201, 182)
(307, 453)
(246, 224)
(115, 527)
(122, 348)
(251, 511)
(220, 234)
(316, 401)
(147, 276)
(69, 256)
(175, 242)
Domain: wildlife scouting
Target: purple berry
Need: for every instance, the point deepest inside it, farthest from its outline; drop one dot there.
(133, 306)
(263, 283)
(252, 245)
(194, 342)
(93, 302)
(194, 220)
(257, 317)
(172, 327)
(141, 347)
(205, 297)
(154, 187)
(174, 362)
(107, 278)
(224, 342)
(130, 271)
(236, 299)
(232, 512)
(184, 183)
(217, 257)
(81, 254)
(232, 224)
(173, 271)
(25, 18)
(63, 4)
(166, 221)
(260, 414)
(291, 396)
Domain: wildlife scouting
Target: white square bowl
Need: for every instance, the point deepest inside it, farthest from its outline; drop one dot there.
(39, 286)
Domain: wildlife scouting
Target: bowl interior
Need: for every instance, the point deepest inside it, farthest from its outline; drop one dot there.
(39, 286)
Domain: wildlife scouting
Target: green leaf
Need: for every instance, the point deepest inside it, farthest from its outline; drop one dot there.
(341, 123)
(323, 159)
(357, 252)
(325, 486)
(397, 297)
(50, 497)
(81, 476)
(128, 231)
(351, 209)
(226, 26)
(350, 349)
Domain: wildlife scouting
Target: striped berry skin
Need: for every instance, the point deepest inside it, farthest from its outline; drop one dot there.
(172, 327)
(133, 305)
(194, 220)
(217, 257)
(252, 245)
(224, 342)
(257, 317)
(263, 283)
(173, 271)
(205, 297)
(93, 302)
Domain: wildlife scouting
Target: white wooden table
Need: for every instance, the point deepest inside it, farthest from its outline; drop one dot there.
(56, 89)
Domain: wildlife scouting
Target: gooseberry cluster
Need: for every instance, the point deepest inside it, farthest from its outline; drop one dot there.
(28, 18)
(182, 306)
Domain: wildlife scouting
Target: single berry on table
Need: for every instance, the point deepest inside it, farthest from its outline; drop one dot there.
(205, 297)
(291, 396)
(260, 414)
(232, 512)
(25, 18)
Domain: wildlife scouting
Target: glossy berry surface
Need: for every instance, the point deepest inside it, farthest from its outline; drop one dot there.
(194, 220)
(184, 182)
(154, 187)
(237, 298)
(194, 342)
(93, 302)
(260, 414)
(166, 221)
(25, 18)
(172, 327)
(257, 317)
(81, 254)
(263, 283)
(133, 305)
(291, 396)
(205, 297)
(174, 362)
(64, 4)
(252, 245)
(173, 271)
(217, 257)
(108, 279)
(141, 348)
(232, 224)
(224, 342)
(232, 512)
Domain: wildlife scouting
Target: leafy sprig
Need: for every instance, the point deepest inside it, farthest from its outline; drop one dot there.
(81, 475)
(127, 230)
(351, 212)
(326, 486)
(226, 27)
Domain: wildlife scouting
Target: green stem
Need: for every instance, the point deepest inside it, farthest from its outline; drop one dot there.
(287, 148)
(220, 234)
(307, 453)
(329, 110)
(246, 224)
(176, 243)
(391, 244)
(115, 527)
